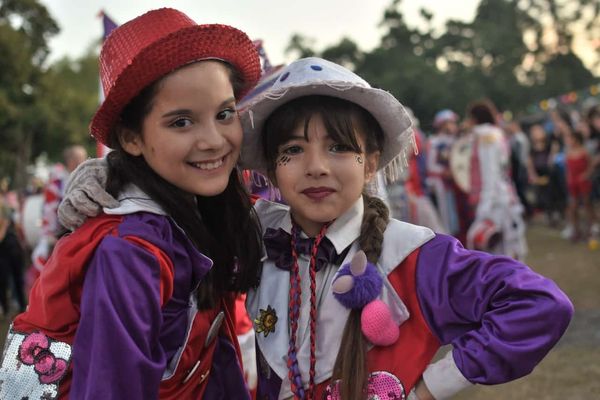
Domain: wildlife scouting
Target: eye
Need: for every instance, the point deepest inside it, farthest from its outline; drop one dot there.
(291, 150)
(181, 123)
(341, 148)
(226, 114)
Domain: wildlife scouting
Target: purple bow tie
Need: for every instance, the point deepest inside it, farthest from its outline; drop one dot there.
(279, 249)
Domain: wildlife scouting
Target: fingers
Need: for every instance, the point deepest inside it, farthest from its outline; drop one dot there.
(96, 192)
(95, 167)
(69, 217)
(84, 204)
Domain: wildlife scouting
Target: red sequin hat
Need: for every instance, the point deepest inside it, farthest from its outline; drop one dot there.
(152, 45)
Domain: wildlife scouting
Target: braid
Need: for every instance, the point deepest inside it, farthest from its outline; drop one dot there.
(350, 365)
(375, 220)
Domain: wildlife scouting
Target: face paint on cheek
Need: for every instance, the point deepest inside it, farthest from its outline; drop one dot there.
(282, 160)
(359, 159)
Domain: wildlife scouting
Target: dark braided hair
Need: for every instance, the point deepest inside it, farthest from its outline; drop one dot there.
(351, 361)
(343, 121)
(375, 220)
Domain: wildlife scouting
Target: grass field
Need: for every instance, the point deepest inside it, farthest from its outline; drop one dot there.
(572, 369)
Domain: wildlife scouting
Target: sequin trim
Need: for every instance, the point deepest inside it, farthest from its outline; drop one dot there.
(32, 366)
(382, 386)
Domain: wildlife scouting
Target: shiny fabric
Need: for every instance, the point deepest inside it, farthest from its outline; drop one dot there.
(500, 316)
(279, 249)
(129, 319)
(33, 366)
(122, 311)
(381, 386)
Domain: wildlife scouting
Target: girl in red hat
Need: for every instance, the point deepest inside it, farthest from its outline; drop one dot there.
(353, 304)
(138, 302)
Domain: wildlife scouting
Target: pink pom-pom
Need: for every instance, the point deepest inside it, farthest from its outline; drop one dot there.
(377, 324)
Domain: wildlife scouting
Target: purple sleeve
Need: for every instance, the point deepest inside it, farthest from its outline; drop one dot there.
(500, 317)
(116, 352)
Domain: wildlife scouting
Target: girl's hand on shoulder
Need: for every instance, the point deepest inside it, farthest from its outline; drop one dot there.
(85, 194)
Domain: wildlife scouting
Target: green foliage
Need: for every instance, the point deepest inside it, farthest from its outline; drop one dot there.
(41, 109)
(502, 54)
(70, 98)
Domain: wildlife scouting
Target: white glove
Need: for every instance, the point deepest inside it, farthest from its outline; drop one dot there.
(85, 194)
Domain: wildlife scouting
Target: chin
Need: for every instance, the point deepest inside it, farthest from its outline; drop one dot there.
(211, 190)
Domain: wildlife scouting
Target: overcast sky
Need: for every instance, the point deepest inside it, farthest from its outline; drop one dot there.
(274, 21)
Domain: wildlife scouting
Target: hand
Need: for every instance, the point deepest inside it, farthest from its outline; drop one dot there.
(85, 194)
(422, 392)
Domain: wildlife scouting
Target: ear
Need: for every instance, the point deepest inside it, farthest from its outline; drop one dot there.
(372, 161)
(130, 141)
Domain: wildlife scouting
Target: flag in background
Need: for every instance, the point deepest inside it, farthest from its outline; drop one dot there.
(109, 25)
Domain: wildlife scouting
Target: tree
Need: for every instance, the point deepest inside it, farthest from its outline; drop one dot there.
(404, 63)
(345, 53)
(488, 51)
(70, 98)
(555, 67)
(503, 54)
(301, 45)
(25, 27)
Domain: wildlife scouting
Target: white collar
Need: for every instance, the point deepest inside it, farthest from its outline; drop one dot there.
(132, 199)
(342, 232)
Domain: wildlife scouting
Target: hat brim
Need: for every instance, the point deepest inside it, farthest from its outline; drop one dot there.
(182, 47)
(383, 106)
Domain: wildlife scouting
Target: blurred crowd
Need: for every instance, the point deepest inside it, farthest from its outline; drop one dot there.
(550, 162)
(29, 228)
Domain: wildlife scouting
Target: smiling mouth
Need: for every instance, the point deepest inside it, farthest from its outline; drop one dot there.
(208, 165)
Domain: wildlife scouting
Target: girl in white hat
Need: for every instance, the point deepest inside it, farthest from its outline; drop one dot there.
(353, 304)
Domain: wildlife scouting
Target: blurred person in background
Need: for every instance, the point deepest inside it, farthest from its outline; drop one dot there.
(439, 176)
(498, 226)
(538, 171)
(408, 197)
(53, 193)
(593, 145)
(519, 156)
(11, 256)
(562, 126)
(579, 185)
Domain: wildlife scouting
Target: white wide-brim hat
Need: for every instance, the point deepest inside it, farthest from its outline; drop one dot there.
(316, 76)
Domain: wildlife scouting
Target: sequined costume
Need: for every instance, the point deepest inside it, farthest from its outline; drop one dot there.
(114, 315)
(500, 317)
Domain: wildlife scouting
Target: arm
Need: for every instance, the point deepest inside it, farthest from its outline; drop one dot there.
(501, 317)
(117, 353)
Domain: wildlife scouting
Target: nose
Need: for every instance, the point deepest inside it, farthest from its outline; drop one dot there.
(209, 137)
(316, 163)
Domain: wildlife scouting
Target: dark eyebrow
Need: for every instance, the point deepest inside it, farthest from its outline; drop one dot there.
(229, 100)
(185, 111)
(179, 111)
(296, 137)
